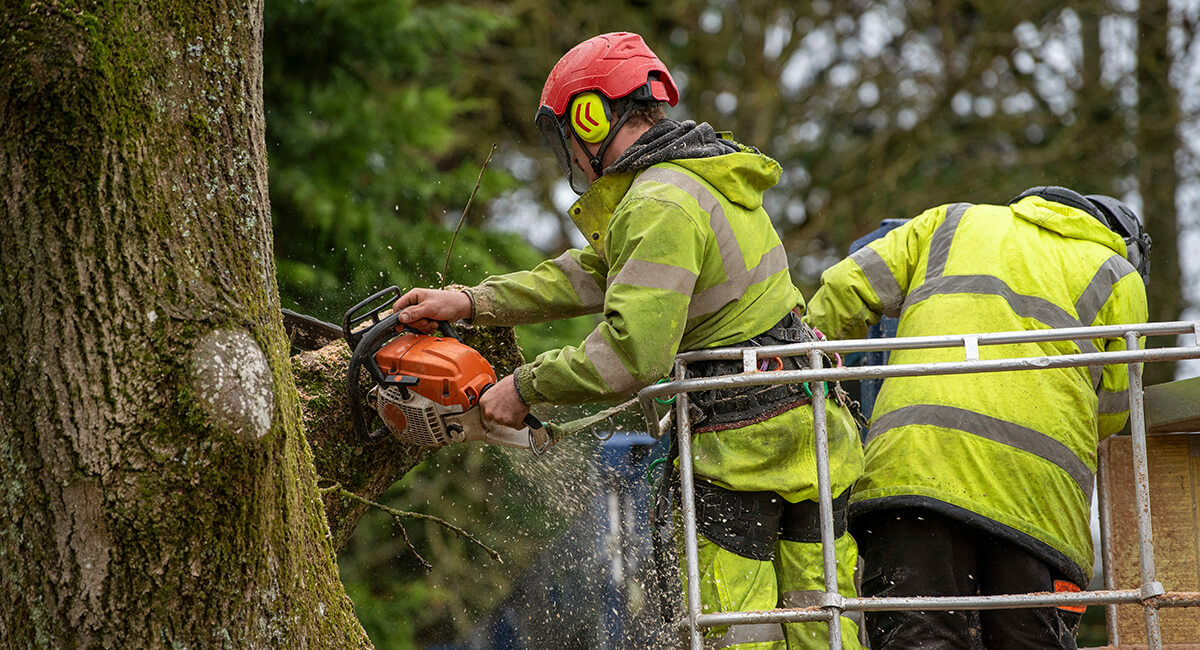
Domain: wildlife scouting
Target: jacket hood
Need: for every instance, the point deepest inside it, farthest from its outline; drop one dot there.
(1068, 222)
(742, 176)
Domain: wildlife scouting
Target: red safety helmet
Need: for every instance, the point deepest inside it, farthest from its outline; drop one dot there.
(615, 66)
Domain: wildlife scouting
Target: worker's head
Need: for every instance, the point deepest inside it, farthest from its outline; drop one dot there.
(1114, 214)
(1123, 221)
(599, 97)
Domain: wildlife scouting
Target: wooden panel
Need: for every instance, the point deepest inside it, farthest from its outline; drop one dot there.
(1173, 406)
(1175, 515)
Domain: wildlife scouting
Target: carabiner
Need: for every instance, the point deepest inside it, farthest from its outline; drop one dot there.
(650, 470)
(661, 400)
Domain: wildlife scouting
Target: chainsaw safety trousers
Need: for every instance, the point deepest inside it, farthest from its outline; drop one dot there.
(1011, 453)
(730, 582)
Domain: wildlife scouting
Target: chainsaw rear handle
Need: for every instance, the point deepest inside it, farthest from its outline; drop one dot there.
(530, 420)
(364, 311)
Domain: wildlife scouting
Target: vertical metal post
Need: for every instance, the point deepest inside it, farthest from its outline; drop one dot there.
(1141, 475)
(828, 549)
(1106, 549)
(687, 495)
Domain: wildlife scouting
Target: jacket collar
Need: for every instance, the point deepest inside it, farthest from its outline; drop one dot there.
(594, 209)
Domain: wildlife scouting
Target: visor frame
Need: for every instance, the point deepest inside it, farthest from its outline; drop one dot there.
(553, 129)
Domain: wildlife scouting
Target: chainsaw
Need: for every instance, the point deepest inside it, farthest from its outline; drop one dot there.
(427, 388)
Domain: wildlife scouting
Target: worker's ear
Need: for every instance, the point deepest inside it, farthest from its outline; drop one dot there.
(591, 117)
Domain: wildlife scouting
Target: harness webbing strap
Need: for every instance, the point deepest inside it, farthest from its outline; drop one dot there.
(802, 521)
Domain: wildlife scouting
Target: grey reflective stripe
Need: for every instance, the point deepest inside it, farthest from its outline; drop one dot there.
(590, 293)
(607, 364)
(813, 598)
(653, 275)
(995, 429)
(1092, 300)
(1112, 403)
(714, 298)
(738, 278)
(943, 237)
(879, 274)
(756, 633)
(1025, 306)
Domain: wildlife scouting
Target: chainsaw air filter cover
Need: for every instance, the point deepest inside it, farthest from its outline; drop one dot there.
(415, 419)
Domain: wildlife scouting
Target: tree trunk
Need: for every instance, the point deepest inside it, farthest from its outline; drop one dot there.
(157, 487)
(1157, 146)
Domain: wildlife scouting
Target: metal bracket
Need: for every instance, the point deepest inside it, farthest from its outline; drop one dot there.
(1152, 590)
(834, 600)
(971, 343)
(749, 360)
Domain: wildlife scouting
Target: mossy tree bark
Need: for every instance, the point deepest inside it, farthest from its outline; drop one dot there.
(156, 484)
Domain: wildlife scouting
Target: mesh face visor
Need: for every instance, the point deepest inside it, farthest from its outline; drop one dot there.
(554, 133)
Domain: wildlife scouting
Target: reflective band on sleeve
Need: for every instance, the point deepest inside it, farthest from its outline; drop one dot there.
(738, 279)
(881, 278)
(994, 429)
(813, 598)
(943, 237)
(1092, 300)
(755, 633)
(607, 364)
(652, 275)
(590, 293)
(1112, 403)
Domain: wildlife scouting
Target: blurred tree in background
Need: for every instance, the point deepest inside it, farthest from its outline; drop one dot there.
(380, 114)
(372, 155)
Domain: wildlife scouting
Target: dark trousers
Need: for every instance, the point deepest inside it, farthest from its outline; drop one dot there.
(916, 552)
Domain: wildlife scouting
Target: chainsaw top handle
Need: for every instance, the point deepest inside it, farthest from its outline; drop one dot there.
(370, 309)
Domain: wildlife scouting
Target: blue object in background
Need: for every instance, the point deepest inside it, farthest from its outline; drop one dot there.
(595, 587)
(885, 328)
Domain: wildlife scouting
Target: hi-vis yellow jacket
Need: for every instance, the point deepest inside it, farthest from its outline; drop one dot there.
(682, 256)
(1012, 452)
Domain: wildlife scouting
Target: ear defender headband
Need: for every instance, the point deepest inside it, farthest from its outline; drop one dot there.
(590, 117)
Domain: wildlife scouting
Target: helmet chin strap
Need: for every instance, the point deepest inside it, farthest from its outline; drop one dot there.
(597, 160)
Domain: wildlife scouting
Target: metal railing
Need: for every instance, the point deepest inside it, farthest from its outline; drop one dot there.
(1150, 595)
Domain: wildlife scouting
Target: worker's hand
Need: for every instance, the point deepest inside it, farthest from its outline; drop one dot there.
(421, 309)
(501, 404)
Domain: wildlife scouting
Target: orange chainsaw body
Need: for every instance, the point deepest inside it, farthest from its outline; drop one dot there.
(450, 373)
(427, 388)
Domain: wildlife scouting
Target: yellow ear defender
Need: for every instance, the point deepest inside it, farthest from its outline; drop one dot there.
(590, 117)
